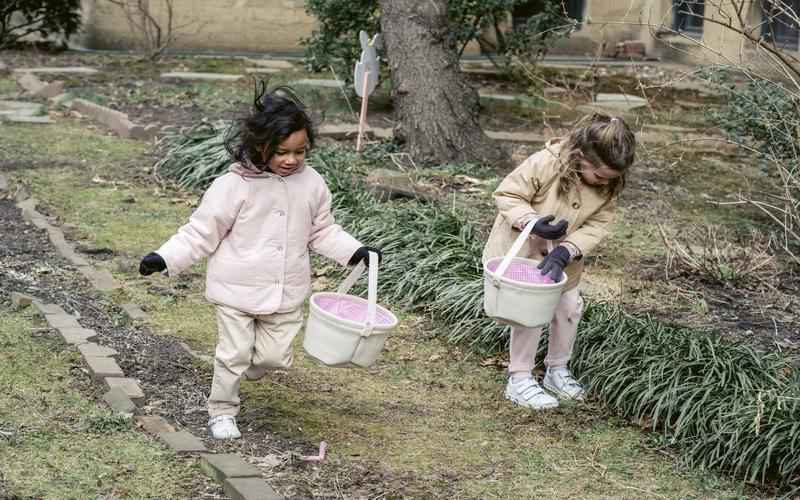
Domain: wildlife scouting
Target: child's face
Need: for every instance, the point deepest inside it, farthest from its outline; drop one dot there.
(290, 155)
(595, 173)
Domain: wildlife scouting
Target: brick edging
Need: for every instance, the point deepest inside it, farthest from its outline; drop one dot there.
(239, 479)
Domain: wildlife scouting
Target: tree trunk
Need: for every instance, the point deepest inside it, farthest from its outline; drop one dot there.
(435, 108)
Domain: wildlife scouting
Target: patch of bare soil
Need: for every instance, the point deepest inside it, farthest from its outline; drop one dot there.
(176, 384)
(761, 313)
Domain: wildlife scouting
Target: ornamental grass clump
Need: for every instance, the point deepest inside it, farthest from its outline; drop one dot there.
(725, 404)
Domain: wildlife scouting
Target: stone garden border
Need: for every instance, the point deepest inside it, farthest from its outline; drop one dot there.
(240, 480)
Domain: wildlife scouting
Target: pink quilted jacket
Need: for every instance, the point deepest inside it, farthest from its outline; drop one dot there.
(257, 229)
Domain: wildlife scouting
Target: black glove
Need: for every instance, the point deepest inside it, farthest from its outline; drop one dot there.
(151, 263)
(363, 254)
(554, 263)
(548, 231)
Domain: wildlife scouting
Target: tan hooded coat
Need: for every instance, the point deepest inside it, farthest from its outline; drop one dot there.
(532, 190)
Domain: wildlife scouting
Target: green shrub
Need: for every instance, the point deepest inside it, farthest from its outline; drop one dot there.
(765, 114)
(19, 18)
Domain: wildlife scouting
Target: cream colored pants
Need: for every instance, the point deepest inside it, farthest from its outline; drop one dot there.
(563, 330)
(248, 346)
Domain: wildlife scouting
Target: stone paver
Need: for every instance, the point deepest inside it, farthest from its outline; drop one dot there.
(135, 312)
(261, 71)
(29, 82)
(310, 82)
(129, 386)
(77, 336)
(508, 100)
(119, 401)
(51, 89)
(100, 278)
(36, 120)
(20, 300)
(188, 75)
(64, 247)
(29, 213)
(350, 130)
(38, 88)
(59, 70)
(3, 183)
(223, 466)
(113, 119)
(249, 488)
(62, 320)
(20, 108)
(182, 442)
(103, 367)
(154, 424)
(95, 350)
(278, 64)
(623, 102)
(64, 99)
(48, 308)
(525, 137)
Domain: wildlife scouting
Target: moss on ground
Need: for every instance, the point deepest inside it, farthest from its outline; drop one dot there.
(56, 444)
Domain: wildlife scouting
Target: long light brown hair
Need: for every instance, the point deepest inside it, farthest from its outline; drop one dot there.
(602, 139)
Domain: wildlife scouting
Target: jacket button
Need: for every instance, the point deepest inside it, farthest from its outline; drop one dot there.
(280, 213)
(576, 205)
(280, 249)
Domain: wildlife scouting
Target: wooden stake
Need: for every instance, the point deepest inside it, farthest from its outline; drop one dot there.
(363, 118)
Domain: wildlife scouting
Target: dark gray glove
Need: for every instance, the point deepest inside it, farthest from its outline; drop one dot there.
(543, 229)
(363, 254)
(151, 263)
(554, 263)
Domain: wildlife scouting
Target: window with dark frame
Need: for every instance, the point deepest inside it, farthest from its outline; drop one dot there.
(688, 16)
(519, 16)
(779, 23)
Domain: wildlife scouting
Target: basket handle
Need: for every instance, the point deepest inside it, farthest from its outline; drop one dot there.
(351, 279)
(372, 294)
(514, 250)
(372, 289)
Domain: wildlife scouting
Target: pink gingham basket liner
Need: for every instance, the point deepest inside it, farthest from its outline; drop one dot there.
(520, 271)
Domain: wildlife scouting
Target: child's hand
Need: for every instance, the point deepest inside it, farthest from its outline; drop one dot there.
(554, 263)
(544, 229)
(151, 263)
(363, 254)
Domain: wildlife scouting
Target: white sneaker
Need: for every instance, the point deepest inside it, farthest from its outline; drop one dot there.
(528, 393)
(224, 427)
(560, 382)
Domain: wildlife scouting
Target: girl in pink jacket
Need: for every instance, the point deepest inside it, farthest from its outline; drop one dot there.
(256, 224)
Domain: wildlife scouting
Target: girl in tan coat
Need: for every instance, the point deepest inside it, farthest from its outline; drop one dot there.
(256, 224)
(575, 181)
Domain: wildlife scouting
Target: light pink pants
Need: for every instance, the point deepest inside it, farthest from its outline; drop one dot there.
(563, 330)
(248, 347)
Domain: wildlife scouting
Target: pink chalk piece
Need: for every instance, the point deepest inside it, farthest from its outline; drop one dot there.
(522, 272)
(323, 447)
